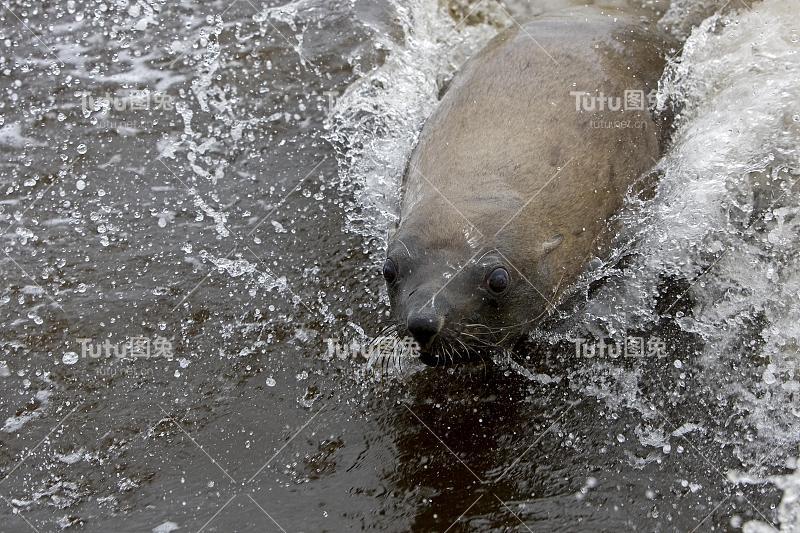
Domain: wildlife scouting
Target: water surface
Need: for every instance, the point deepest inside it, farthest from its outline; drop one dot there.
(213, 180)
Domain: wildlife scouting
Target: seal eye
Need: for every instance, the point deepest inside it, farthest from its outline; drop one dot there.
(389, 271)
(498, 280)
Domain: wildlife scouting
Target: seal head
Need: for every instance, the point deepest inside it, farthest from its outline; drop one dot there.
(462, 290)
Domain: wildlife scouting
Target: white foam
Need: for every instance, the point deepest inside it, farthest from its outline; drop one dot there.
(11, 135)
(725, 219)
(723, 216)
(374, 124)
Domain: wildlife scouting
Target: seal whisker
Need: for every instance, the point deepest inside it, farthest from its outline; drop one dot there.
(473, 336)
(526, 322)
(464, 346)
(481, 343)
(501, 341)
(406, 247)
(477, 326)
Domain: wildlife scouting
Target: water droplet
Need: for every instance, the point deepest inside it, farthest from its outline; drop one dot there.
(81, 148)
(271, 382)
(69, 358)
(678, 363)
(80, 185)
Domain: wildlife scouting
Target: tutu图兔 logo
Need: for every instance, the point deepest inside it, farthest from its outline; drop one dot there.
(632, 100)
(133, 348)
(128, 100)
(630, 347)
(381, 347)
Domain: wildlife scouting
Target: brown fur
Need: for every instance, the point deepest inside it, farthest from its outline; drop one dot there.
(493, 146)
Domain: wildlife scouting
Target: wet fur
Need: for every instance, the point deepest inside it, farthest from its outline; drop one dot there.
(503, 129)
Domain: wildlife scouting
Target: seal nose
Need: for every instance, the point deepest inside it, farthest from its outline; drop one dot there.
(424, 328)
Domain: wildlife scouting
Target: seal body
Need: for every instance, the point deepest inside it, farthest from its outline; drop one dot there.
(510, 188)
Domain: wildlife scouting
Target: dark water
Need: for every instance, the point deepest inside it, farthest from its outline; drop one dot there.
(214, 225)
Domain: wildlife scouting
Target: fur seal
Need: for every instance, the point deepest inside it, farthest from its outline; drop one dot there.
(508, 193)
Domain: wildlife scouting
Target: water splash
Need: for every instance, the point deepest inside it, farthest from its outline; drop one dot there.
(724, 218)
(375, 123)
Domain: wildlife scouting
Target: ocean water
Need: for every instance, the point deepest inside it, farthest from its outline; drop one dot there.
(213, 181)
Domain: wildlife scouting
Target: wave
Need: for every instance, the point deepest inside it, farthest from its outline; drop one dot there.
(724, 216)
